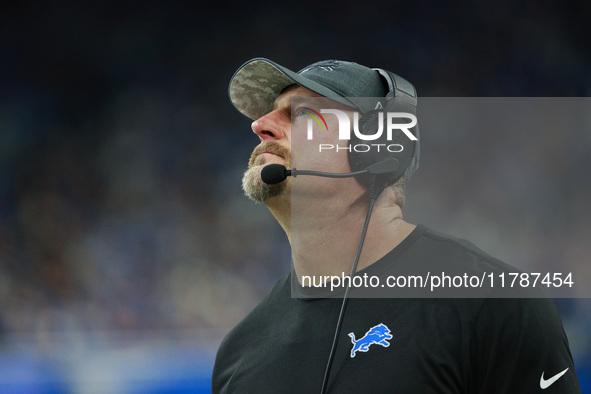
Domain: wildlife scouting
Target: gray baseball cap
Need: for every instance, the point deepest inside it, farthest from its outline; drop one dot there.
(258, 82)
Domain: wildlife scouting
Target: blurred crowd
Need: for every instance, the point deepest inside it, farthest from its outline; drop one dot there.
(121, 157)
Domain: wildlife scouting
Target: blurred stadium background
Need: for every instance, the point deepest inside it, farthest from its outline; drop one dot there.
(126, 248)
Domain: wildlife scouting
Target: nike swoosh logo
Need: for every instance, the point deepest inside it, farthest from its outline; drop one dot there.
(544, 384)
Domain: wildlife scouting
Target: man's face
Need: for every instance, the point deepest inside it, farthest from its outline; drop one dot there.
(275, 132)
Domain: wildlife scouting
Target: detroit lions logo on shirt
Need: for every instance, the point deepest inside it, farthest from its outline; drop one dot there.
(377, 335)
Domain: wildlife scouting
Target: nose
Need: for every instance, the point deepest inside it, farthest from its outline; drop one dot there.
(270, 127)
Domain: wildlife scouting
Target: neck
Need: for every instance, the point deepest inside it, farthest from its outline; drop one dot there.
(324, 238)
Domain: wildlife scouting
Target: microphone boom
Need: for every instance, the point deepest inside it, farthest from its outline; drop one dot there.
(276, 173)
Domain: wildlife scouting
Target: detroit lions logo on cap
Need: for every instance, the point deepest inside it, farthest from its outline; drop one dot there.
(325, 65)
(377, 335)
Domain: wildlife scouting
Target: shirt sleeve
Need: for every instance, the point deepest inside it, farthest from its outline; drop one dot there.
(519, 346)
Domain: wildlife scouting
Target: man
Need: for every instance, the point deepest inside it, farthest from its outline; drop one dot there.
(296, 342)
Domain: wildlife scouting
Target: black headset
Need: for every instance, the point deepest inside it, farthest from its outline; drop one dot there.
(401, 97)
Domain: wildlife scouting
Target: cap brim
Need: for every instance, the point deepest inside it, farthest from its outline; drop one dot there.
(258, 82)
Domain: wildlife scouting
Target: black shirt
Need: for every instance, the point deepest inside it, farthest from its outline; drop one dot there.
(399, 345)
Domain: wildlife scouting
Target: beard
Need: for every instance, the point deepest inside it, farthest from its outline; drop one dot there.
(252, 184)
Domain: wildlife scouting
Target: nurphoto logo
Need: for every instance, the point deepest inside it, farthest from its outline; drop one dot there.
(387, 122)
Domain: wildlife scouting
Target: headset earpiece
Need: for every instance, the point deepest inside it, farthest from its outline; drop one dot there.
(401, 97)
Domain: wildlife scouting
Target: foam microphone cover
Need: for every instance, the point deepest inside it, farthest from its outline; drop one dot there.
(273, 173)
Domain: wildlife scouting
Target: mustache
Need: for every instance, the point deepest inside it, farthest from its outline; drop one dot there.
(271, 147)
